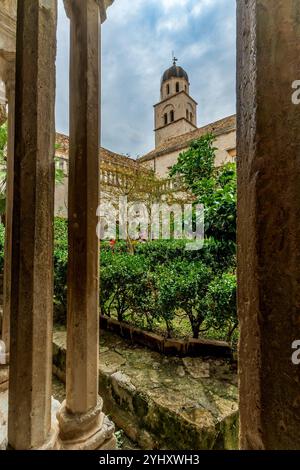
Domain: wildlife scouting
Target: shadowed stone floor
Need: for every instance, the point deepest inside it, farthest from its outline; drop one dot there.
(164, 402)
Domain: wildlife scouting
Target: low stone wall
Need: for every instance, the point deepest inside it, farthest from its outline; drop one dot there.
(190, 347)
(164, 402)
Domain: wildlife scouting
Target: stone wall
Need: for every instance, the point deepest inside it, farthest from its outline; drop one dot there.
(224, 143)
(164, 402)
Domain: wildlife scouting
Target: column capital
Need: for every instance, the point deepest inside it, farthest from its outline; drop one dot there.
(103, 5)
(7, 69)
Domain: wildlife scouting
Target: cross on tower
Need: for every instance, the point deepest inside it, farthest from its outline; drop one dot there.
(174, 60)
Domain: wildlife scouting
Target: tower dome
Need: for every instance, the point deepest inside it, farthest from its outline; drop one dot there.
(174, 72)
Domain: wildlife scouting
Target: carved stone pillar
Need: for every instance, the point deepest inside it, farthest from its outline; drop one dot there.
(29, 420)
(9, 80)
(268, 222)
(83, 425)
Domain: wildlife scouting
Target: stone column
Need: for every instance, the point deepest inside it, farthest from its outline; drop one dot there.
(82, 423)
(9, 80)
(29, 420)
(268, 222)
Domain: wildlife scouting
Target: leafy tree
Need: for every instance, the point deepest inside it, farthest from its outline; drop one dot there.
(214, 187)
(183, 285)
(121, 281)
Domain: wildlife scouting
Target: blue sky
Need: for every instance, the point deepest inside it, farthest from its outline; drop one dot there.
(137, 43)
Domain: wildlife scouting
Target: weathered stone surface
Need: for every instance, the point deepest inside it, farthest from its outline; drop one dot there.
(81, 409)
(161, 409)
(111, 362)
(83, 290)
(268, 222)
(29, 423)
(196, 368)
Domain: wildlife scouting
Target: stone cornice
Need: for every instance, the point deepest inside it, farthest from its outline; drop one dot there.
(174, 122)
(173, 95)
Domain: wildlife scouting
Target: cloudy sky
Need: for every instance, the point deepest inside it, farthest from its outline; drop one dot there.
(137, 43)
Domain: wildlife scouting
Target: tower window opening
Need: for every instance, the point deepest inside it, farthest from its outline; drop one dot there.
(187, 114)
(166, 119)
(177, 87)
(168, 89)
(172, 116)
(191, 117)
(185, 88)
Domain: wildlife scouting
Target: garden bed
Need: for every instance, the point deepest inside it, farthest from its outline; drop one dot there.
(168, 346)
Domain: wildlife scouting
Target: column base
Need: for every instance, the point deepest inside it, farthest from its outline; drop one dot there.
(88, 431)
(50, 444)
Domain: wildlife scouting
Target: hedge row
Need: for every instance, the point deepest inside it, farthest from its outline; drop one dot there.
(160, 281)
(156, 284)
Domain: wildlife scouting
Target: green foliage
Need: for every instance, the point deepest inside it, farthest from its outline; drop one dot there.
(122, 279)
(218, 255)
(220, 204)
(182, 285)
(221, 303)
(60, 269)
(196, 165)
(213, 187)
(162, 280)
(157, 285)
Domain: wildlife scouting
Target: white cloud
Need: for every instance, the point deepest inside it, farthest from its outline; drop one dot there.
(172, 24)
(173, 4)
(137, 41)
(202, 6)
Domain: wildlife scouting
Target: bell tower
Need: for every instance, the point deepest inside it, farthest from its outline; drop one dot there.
(176, 113)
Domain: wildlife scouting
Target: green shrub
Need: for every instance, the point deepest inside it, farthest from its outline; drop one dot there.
(161, 281)
(121, 279)
(221, 304)
(60, 270)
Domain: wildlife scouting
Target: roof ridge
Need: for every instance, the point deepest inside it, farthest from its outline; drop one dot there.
(217, 127)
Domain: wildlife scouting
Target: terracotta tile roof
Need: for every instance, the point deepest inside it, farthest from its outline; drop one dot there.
(106, 156)
(180, 142)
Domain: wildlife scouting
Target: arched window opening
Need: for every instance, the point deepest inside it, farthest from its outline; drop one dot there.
(166, 119)
(185, 88)
(168, 89)
(172, 116)
(191, 117)
(187, 114)
(177, 87)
